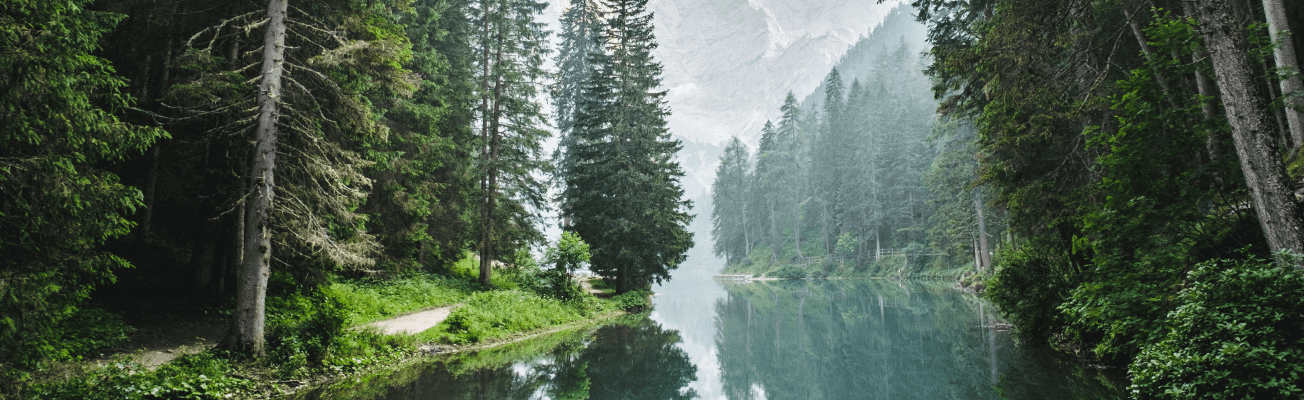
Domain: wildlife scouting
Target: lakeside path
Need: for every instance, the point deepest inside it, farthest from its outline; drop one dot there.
(413, 323)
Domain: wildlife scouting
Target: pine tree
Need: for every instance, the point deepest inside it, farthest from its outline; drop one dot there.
(729, 218)
(579, 30)
(624, 184)
(57, 204)
(511, 49)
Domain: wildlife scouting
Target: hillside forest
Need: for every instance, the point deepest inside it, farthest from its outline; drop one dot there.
(1120, 178)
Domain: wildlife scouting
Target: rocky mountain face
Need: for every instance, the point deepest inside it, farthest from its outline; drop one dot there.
(729, 63)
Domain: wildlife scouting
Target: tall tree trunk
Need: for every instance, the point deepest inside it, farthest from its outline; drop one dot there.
(251, 281)
(985, 254)
(796, 229)
(151, 182)
(1284, 53)
(1265, 175)
(486, 259)
(491, 169)
(1150, 54)
(1207, 89)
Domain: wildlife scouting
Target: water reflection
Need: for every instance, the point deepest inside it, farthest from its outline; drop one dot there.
(879, 339)
(866, 339)
(632, 358)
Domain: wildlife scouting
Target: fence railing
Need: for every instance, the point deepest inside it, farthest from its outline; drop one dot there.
(733, 278)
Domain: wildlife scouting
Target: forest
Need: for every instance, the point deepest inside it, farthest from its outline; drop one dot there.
(274, 163)
(1121, 178)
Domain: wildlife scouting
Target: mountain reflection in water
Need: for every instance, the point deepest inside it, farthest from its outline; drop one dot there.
(854, 339)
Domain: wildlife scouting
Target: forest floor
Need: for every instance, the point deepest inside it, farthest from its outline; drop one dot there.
(162, 334)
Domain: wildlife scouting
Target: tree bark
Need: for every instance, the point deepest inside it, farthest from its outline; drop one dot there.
(151, 182)
(251, 281)
(1279, 214)
(985, 254)
(491, 167)
(1150, 55)
(1284, 54)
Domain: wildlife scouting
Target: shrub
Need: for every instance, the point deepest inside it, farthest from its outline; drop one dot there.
(196, 376)
(1237, 333)
(632, 301)
(788, 272)
(303, 331)
(1028, 286)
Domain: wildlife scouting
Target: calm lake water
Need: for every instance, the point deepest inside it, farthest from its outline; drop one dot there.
(853, 339)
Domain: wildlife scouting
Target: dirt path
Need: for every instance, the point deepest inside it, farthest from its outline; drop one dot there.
(161, 336)
(413, 323)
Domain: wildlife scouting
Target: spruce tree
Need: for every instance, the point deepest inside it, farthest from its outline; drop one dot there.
(623, 186)
(579, 29)
(58, 205)
(729, 198)
(511, 48)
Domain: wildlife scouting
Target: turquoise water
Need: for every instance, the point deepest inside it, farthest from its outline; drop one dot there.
(851, 339)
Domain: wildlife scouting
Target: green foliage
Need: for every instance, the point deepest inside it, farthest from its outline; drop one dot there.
(623, 189)
(88, 332)
(1236, 333)
(787, 272)
(57, 129)
(632, 301)
(1029, 285)
(569, 254)
(566, 256)
(203, 376)
(304, 338)
(490, 315)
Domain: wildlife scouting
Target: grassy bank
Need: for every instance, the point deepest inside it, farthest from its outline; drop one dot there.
(312, 336)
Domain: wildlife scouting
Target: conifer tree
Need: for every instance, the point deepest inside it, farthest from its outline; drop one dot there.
(57, 204)
(511, 46)
(729, 218)
(624, 184)
(579, 30)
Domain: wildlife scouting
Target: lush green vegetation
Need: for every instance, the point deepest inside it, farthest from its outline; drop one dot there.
(1141, 205)
(1113, 173)
(313, 332)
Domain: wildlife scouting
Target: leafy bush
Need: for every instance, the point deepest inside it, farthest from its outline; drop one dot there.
(1028, 285)
(196, 376)
(1237, 333)
(304, 337)
(787, 272)
(632, 301)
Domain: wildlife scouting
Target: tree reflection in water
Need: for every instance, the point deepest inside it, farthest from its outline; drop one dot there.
(633, 358)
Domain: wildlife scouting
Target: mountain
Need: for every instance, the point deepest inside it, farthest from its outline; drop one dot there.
(729, 63)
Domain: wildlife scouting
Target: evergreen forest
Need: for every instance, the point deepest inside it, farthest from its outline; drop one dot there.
(293, 168)
(1122, 179)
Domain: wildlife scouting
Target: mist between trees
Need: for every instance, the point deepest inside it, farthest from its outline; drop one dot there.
(1133, 165)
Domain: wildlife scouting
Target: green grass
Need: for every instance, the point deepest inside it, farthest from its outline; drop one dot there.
(497, 314)
(368, 301)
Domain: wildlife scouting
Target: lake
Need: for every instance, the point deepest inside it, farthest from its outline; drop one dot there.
(834, 339)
